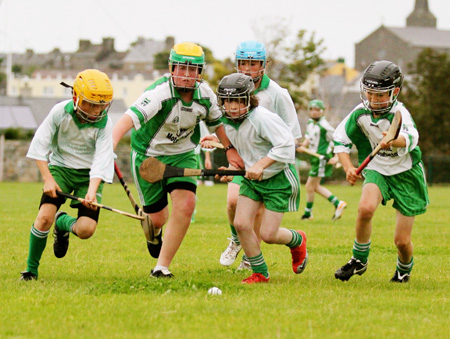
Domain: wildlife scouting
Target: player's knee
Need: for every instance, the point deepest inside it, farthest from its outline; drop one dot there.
(365, 211)
(402, 244)
(85, 231)
(43, 222)
(268, 236)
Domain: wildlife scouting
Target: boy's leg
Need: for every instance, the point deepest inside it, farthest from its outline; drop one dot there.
(228, 256)
(311, 186)
(405, 248)
(370, 199)
(38, 239)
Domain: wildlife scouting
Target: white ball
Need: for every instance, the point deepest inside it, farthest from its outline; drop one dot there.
(215, 291)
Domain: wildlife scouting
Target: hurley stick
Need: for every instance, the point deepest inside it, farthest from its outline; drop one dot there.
(70, 196)
(153, 170)
(146, 222)
(391, 135)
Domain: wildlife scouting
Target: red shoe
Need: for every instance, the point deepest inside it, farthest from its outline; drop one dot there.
(299, 255)
(256, 278)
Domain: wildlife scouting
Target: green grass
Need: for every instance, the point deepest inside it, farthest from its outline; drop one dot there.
(102, 287)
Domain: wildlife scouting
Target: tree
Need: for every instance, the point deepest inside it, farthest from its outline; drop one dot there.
(291, 61)
(426, 97)
(161, 60)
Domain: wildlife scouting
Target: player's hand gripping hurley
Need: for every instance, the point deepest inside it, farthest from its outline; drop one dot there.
(153, 170)
(391, 135)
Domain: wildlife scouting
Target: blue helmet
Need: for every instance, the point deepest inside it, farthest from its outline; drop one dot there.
(251, 50)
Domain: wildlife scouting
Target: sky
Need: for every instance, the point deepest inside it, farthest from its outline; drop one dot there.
(43, 25)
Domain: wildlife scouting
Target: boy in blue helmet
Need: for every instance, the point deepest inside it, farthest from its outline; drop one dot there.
(251, 59)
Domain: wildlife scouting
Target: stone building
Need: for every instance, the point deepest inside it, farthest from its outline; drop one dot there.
(402, 44)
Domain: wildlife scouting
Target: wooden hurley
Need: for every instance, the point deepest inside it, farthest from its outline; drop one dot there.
(153, 170)
(391, 134)
(70, 196)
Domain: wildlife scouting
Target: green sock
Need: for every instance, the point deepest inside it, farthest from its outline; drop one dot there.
(65, 223)
(38, 241)
(259, 265)
(405, 268)
(334, 200)
(308, 208)
(296, 240)
(361, 251)
(234, 235)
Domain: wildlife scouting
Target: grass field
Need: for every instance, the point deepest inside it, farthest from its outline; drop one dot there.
(102, 287)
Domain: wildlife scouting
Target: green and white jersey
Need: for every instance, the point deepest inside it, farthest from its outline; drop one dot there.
(262, 134)
(73, 144)
(320, 136)
(364, 131)
(165, 125)
(277, 99)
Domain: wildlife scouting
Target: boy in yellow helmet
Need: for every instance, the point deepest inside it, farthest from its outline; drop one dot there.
(166, 121)
(77, 133)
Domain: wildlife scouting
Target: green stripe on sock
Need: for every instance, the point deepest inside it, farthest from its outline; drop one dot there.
(361, 251)
(259, 265)
(296, 239)
(234, 235)
(405, 268)
(38, 241)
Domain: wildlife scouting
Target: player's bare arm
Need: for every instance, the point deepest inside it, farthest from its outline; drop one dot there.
(256, 171)
(233, 156)
(350, 170)
(50, 185)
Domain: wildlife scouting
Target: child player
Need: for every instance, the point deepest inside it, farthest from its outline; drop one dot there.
(396, 172)
(78, 135)
(267, 148)
(319, 139)
(251, 59)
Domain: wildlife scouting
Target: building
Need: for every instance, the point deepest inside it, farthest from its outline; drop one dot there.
(402, 44)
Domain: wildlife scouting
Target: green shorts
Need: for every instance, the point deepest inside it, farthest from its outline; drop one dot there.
(74, 180)
(320, 168)
(408, 189)
(151, 194)
(280, 193)
(237, 179)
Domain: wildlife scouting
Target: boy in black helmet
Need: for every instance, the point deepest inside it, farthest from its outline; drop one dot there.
(395, 173)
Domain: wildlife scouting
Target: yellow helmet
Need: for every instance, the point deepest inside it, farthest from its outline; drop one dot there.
(190, 54)
(92, 87)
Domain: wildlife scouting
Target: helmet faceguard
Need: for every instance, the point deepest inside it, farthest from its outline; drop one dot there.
(92, 95)
(379, 78)
(251, 50)
(186, 64)
(316, 109)
(236, 87)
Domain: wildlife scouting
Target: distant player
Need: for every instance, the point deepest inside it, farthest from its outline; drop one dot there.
(267, 148)
(319, 139)
(395, 173)
(77, 133)
(251, 59)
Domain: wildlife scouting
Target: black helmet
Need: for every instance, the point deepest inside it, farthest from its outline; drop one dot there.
(381, 76)
(236, 86)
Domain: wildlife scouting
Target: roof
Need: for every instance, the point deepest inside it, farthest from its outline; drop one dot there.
(17, 117)
(423, 36)
(144, 50)
(33, 111)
